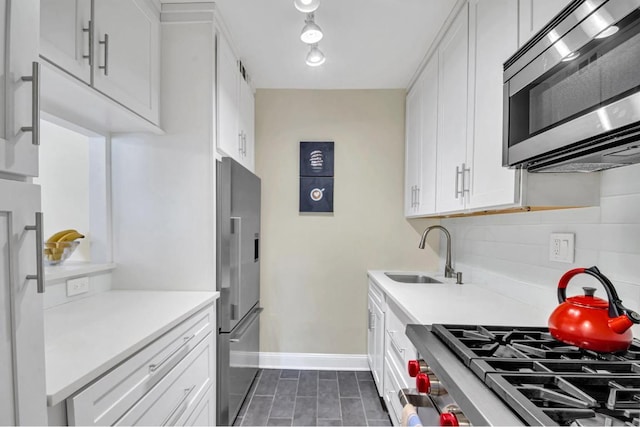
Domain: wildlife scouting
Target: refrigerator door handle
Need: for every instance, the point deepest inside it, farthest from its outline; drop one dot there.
(236, 266)
(245, 325)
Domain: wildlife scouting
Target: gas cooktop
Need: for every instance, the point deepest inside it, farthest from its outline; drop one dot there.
(547, 382)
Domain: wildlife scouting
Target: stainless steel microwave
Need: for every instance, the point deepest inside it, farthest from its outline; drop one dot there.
(572, 92)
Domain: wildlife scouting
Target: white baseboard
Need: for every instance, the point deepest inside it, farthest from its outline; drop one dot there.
(317, 361)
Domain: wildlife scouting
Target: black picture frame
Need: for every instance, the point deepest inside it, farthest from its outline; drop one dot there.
(316, 158)
(316, 194)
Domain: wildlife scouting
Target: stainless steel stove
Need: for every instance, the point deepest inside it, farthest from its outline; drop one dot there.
(527, 374)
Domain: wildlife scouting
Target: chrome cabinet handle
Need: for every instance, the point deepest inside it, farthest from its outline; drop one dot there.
(39, 276)
(370, 320)
(244, 143)
(154, 367)
(174, 414)
(34, 78)
(240, 142)
(458, 173)
(465, 169)
(105, 42)
(399, 351)
(89, 30)
(417, 196)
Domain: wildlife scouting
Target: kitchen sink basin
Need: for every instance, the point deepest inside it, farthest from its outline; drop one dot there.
(411, 278)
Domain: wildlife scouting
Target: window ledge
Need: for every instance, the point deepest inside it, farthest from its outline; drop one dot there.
(70, 269)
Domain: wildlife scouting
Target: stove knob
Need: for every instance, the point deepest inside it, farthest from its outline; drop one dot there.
(416, 366)
(448, 420)
(427, 382)
(453, 416)
(423, 383)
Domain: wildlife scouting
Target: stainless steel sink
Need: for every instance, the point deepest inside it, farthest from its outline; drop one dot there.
(411, 278)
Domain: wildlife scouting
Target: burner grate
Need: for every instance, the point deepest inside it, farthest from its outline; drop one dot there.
(561, 397)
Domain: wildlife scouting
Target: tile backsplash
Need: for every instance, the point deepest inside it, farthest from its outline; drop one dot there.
(511, 251)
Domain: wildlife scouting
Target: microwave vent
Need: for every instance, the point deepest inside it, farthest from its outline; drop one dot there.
(577, 167)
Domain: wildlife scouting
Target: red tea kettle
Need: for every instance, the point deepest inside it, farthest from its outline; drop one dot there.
(589, 322)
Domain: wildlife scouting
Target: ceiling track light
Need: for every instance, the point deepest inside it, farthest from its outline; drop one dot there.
(315, 56)
(311, 32)
(306, 6)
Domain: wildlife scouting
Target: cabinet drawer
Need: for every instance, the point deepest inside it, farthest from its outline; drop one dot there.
(176, 395)
(376, 294)
(391, 388)
(204, 414)
(398, 348)
(110, 396)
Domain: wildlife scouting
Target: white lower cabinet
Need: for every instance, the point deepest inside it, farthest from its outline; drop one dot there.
(398, 352)
(169, 382)
(389, 350)
(375, 334)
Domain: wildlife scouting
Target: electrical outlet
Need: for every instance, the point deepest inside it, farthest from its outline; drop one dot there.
(77, 286)
(562, 247)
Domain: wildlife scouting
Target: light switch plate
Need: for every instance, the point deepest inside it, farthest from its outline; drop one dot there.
(562, 247)
(77, 286)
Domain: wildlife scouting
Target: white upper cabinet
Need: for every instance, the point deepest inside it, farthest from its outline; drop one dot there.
(19, 124)
(126, 54)
(247, 124)
(421, 138)
(489, 183)
(228, 99)
(454, 115)
(65, 35)
(534, 14)
(102, 63)
(236, 107)
(453, 57)
(413, 149)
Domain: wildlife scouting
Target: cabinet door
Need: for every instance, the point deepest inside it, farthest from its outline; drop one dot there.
(413, 145)
(452, 113)
(18, 150)
(491, 184)
(127, 53)
(429, 141)
(535, 14)
(247, 124)
(22, 389)
(228, 141)
(65, 35)
(376, 343)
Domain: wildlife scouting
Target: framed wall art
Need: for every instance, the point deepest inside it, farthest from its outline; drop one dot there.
(316, 176)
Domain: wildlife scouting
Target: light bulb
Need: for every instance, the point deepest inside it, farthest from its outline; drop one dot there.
(306, 6)
(315, 56)
(311, 32)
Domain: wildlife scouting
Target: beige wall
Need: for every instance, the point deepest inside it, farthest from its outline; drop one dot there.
(313, 280)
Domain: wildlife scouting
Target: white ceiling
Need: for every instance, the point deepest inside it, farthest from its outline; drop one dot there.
(369, 44)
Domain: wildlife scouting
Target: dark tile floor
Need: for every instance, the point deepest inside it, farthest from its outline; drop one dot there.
(313, 398)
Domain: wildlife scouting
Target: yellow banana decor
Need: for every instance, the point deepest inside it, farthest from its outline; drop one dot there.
(59, 246)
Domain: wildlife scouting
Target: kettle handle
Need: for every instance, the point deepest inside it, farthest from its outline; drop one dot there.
(615, 305)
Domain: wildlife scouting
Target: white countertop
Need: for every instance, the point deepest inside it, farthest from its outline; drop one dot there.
(457, 304)
(87, 337)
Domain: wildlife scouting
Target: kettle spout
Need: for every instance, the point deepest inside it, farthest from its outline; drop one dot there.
(620, 324)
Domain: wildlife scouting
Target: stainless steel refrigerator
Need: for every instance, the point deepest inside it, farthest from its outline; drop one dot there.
(238, 280)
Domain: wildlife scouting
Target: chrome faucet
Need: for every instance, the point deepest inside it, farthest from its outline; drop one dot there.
(448, 270)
